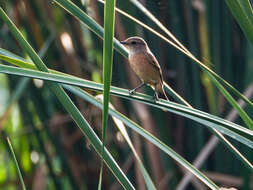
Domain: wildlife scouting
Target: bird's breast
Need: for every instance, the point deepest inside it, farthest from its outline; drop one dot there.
(144, 68)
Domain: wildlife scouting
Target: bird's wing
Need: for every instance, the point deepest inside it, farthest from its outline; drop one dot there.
(155, 64)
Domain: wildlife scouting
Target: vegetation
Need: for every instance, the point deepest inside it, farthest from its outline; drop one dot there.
(58, 71)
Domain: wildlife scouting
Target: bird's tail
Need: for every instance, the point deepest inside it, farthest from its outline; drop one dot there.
(160, 88)
(164, 93)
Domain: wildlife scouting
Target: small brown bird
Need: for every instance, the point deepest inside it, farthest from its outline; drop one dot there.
(145, 65)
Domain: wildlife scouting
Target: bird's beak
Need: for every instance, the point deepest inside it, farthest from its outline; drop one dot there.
(123, 42)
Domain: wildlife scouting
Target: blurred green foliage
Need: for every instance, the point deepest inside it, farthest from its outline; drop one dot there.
(40, 128)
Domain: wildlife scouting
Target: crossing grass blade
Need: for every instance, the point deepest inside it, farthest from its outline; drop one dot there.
(68, 104)
(88, 84)
(68, 79)
(233, 130)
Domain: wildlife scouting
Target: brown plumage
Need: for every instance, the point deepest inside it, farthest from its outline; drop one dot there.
(144, 64)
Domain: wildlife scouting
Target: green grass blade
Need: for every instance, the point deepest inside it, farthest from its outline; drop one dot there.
(242, 11)
(68, 104)
(233, 130)
(107, 58)
(146, 135)
(16, 164)
(107, 68)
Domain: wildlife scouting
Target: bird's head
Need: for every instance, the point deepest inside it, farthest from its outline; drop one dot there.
(135, 44)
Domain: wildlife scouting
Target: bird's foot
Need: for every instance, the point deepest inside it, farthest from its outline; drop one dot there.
(134, 90)
(155, 97)
(131, 92)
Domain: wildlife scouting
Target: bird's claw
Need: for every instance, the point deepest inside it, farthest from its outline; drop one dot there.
(155, 97)
(131, 92)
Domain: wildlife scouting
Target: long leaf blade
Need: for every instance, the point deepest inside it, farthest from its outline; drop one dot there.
(16, 164)
(107, 68)
(233, 130)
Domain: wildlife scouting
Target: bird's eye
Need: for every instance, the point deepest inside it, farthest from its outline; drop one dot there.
(133, 42)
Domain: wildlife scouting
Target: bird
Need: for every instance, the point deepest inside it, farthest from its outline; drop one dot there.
(145, 65)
